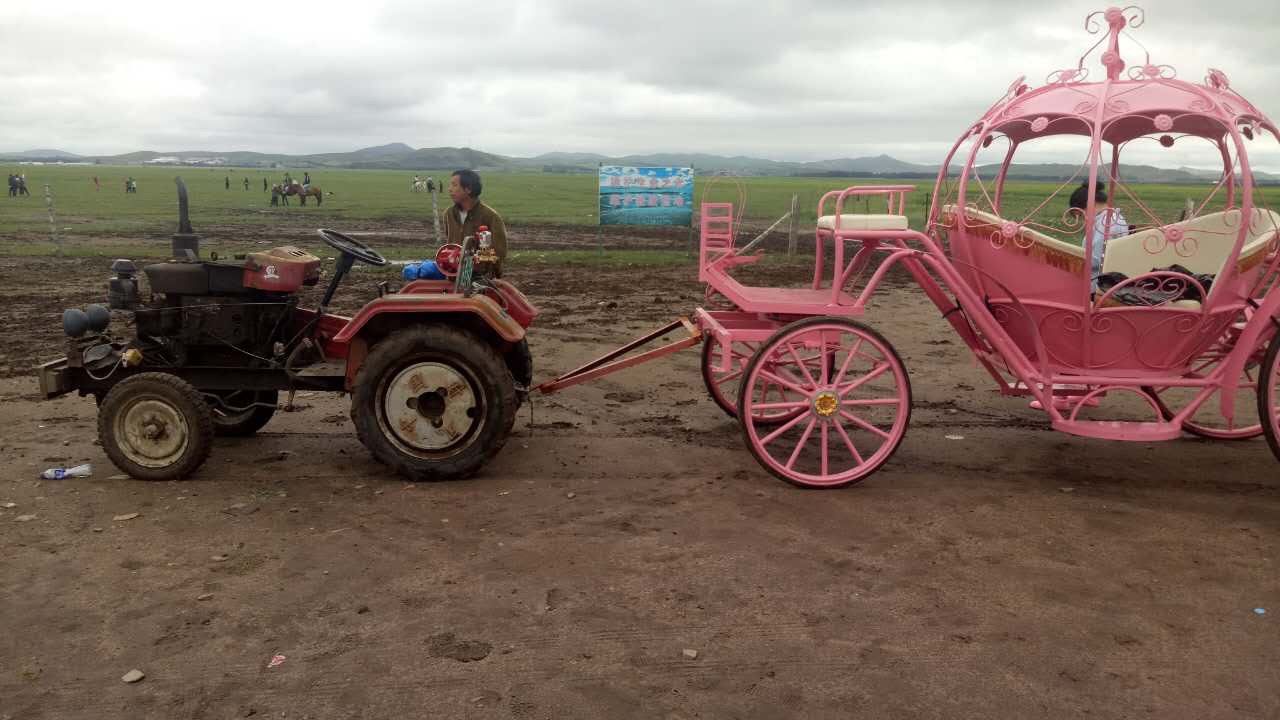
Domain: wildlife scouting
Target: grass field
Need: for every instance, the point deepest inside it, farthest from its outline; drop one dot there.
(522, 198)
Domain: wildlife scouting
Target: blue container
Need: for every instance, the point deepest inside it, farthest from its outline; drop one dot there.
(428, 270)
(411, 271)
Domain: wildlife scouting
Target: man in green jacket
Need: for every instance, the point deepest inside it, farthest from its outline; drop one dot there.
(467, 214)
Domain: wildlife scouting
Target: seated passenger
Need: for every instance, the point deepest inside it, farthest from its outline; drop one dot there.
(1107, 223)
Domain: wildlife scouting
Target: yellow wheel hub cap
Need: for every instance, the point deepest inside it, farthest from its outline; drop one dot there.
(826, 404)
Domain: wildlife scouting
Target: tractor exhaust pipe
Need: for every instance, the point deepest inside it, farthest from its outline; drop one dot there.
(186, 244)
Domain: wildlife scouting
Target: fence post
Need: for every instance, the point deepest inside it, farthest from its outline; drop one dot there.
(53, 223)
(794, 230)
(435, 212)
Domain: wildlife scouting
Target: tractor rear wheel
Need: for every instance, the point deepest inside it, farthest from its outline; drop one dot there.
(260, 407)
(155, 426)
(434, 402)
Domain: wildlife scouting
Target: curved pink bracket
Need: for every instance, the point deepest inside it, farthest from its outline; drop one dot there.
(1161, 282)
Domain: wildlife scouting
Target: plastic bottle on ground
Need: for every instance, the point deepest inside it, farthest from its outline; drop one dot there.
(59, 473)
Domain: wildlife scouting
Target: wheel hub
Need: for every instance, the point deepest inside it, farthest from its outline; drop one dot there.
(152, 433)
(430, 406)
(826, 403)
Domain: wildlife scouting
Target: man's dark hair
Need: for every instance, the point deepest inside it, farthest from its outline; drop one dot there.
(470, 181)
(1080, 197)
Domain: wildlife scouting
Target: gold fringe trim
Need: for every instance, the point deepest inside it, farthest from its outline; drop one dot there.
(1050, 256)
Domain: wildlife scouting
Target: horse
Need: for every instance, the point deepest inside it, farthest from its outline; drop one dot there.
(304, 193)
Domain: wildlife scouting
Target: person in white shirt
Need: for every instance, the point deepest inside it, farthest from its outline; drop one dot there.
(1108, 222)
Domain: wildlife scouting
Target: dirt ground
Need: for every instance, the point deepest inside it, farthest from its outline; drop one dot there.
(1014, 572)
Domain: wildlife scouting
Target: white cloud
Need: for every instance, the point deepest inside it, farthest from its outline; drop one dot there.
(802, 80)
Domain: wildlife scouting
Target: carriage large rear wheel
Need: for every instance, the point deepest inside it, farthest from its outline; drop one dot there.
(1269, 396)
(853, 402)
(1208, 421)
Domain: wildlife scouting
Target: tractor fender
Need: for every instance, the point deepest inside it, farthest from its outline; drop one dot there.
(486, 310)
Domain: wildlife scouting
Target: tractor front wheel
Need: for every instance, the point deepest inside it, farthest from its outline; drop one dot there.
(155, 426)
(434, 402)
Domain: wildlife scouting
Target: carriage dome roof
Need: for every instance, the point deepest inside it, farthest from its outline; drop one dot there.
(1128, 101)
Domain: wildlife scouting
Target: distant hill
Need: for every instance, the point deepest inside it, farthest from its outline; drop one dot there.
(399, 156)
(878, 165)
(40, 154)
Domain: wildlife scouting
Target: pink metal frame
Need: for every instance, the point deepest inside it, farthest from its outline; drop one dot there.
(1022, 301)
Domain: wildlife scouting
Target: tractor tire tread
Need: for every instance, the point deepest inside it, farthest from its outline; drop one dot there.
(492, 371)
(179, 391)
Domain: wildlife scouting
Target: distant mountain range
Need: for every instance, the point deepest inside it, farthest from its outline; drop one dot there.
(399, 156)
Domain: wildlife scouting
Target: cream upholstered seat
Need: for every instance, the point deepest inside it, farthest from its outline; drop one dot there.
(863, 222)
(1214, 237)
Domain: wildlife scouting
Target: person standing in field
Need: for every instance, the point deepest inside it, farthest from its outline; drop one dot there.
(467, 214)
(246, 184)
(228, 179)
(96, 186)
(264, 185)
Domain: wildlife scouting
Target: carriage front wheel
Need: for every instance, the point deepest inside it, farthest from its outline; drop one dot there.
(1269, 395)
(851, 394)
(723, 386)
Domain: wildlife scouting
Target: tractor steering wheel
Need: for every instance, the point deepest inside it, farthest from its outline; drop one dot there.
(348, 245)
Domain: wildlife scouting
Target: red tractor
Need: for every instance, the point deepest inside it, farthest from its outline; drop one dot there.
(436, 370)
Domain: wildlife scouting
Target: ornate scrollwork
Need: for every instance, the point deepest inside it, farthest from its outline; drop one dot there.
(1217, 80)
(1151, 71)
(1202, 105)
(1153, 289)
(1163, 122)
(1073, 219)
(1184, 245)
(1067, 75)
(1133, 16)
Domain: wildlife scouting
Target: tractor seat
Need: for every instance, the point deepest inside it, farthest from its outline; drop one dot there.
(859, 222)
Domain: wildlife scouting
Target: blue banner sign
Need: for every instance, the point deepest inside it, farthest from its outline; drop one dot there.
(646, 195)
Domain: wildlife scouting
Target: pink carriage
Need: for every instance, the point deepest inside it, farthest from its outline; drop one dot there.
(1070, 306)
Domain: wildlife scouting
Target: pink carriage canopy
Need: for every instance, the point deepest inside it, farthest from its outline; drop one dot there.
(1015, 254)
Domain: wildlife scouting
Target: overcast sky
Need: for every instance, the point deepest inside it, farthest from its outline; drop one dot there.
(787, 80)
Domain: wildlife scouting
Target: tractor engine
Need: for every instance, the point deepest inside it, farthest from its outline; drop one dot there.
(206, 312)
(219, 313)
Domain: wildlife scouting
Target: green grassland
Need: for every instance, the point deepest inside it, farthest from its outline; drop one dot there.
(384, 196)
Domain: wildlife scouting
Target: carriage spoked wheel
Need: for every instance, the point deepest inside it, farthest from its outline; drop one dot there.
(1208, 421)
(723, 385)
(851, 396)
(155, 426)
(1269, 396)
